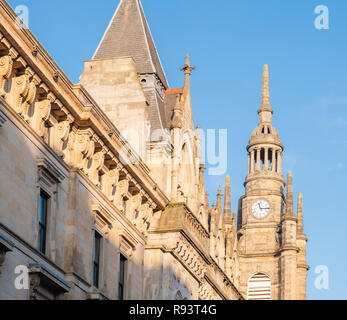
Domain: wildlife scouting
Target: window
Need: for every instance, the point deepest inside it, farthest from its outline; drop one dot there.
(259, 287)
(96, 259)
(122, 271)
(43, 213)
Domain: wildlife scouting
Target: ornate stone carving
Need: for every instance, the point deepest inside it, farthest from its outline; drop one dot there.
(62, 130)
(41, 115)
(6, 65)
(207, 293)
(134, 208)
(188, 256)
(69, 150)
(145, 218)
(97, 163)
(122, 189)
(113, 178)
(24, 92)
(84, 149)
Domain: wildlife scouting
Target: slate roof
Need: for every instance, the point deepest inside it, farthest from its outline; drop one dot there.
(128, 34)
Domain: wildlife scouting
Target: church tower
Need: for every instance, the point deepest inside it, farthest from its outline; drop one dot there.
(272, 253)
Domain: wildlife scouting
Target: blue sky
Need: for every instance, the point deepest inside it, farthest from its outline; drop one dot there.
(229, 41)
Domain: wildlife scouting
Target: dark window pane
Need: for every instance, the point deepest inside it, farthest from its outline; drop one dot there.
(43, 212)
(96, 259)
(122, 270)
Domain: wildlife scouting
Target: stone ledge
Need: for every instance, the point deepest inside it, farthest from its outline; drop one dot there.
(49, 275)
(96, 296)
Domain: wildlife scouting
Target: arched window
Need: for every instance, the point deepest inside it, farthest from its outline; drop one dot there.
(259, 287)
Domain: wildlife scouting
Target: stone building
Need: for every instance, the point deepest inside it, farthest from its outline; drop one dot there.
(102, 192)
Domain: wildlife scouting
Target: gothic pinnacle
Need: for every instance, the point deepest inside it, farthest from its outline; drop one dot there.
(300, 213)
(289, 197)
(187, 72)
(219, 198)
(227, 198)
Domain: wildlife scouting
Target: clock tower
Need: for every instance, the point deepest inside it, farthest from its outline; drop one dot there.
(272, 245)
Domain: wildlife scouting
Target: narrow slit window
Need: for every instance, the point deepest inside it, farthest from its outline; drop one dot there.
(122, 272)
(43, 217)
(96, 259)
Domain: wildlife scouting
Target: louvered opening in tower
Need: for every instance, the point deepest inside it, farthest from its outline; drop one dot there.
(259, 287)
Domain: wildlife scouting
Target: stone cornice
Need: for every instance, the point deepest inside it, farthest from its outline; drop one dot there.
(265, 175)
(85, 112)
(257, 255)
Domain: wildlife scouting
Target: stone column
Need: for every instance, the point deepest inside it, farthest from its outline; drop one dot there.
(266, 159)
(252, 160)
(258, 159)
(279, 161)
(273, 165)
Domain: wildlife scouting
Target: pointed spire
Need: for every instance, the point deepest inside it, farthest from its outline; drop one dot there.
(227, 198)
(300, 213)
(265, 111)
(128, 34)
(289, 197)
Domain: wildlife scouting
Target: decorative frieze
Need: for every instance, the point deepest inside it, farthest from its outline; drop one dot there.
(190, 258)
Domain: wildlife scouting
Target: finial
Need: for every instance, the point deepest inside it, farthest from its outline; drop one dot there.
(289, 197)
(265, 106)
(187, 60)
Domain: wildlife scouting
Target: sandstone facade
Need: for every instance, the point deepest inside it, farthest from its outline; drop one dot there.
(102, 191)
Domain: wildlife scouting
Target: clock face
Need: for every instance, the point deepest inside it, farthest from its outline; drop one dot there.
(260, 208)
